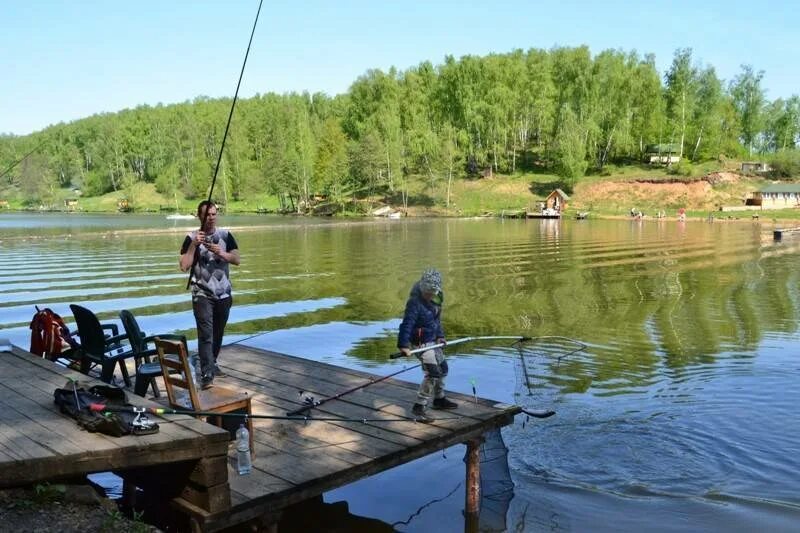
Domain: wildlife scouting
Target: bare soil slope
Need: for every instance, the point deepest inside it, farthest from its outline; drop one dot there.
(702, 194)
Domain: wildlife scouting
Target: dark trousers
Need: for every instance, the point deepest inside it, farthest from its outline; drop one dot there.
(211, 316)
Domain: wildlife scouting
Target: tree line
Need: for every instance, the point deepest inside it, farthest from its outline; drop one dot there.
(561, 110)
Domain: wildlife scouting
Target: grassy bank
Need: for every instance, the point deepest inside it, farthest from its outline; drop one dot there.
(700, 190)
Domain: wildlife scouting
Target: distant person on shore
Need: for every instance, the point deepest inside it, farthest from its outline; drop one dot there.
(681, 214)
(422, 326)
(211, 286)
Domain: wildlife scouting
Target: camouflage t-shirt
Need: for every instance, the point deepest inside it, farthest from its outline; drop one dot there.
(211, 275)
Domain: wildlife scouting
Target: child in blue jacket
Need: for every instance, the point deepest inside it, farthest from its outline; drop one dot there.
(422, 326)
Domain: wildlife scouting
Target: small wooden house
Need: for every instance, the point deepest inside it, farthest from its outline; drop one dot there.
(777, 196)
(71, 204)
(661, 154)
(124, 206)
(755, 167)
(557, 201)
(3, 204)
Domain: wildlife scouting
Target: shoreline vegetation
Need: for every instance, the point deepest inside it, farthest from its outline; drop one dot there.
(651, 191)
(470, 136)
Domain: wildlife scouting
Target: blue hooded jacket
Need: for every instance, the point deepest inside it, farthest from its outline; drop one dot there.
(421, 321)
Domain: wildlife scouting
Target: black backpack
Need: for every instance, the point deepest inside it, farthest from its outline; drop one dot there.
(74, 400)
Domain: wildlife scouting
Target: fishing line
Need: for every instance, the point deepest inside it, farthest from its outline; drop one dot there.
(224, 138)
(247, 338)
(20, 160)
(422, 508)
(311, 403)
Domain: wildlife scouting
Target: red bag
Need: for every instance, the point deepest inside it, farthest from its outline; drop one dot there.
(49, 334)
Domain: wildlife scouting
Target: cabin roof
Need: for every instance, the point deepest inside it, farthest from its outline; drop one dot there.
(559, 192)
(780, 187)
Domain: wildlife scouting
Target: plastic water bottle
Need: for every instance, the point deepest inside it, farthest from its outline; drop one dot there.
(243, 462)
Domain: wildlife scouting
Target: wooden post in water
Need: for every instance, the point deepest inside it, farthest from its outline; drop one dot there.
(472, 505)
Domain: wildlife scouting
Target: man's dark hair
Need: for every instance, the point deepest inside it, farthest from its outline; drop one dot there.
(203, 205)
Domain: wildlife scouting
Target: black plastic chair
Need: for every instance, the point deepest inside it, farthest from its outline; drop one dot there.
(140, 344)
(98, 347)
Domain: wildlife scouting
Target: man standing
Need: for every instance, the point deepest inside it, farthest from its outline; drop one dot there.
(422, 326)
(211, 285)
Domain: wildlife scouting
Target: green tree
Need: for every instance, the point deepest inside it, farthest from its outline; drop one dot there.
(681, 94)
(570, 147)
(783, 123)
(330, 165)
(748, 100)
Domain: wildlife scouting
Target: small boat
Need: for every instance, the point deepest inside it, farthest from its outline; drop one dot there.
(178, 216)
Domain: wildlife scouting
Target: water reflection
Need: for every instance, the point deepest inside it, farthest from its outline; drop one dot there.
(683, 399)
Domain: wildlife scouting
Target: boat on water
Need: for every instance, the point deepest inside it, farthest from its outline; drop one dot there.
(178, 216)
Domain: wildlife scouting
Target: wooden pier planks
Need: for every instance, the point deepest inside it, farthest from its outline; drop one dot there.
(300, 460)
(37, 442)
(294, 461)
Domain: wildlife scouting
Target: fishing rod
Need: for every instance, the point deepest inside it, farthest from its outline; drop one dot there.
(196, 256)
(311, 402)
(20, 160)
(517, 338)
(99, 408)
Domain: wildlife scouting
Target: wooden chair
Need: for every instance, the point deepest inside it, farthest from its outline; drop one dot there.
(98, 347)
(178, 378)
(142, 351)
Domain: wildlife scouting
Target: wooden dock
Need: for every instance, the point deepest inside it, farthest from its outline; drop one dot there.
(778, 234)
(537, 214)
(294, 460)
(39, 443)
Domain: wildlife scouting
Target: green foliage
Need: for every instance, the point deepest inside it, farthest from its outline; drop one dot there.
(748, 99)
(682, 168)
(47, 493)
(785, 164)
(503, 111)
(570, 148)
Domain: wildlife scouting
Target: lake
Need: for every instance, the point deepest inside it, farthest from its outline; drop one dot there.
(679, 413)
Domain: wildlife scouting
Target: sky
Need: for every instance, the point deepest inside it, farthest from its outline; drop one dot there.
(69, 59)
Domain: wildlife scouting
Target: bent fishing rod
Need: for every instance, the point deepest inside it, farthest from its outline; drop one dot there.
(516, 338)
(311, 402)
(196, 256)
(139, 410)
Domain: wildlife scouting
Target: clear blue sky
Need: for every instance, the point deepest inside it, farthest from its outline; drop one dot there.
(68, 59)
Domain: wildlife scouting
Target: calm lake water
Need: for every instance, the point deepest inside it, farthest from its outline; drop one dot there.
(680, 415)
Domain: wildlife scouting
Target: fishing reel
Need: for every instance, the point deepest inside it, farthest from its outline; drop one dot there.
(142, 424)
(310, 401)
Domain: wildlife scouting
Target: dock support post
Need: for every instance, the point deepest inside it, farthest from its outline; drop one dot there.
(128, 494)
(472, 506)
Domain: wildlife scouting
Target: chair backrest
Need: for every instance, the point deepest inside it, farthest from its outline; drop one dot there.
(89, 330)
(134, 332)
(177, 374)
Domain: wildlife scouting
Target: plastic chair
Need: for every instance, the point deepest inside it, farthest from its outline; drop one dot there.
(99, 348)
(140, 343)
(183, 394)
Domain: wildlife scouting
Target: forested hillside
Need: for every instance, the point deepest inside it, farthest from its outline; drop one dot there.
(562, 109)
